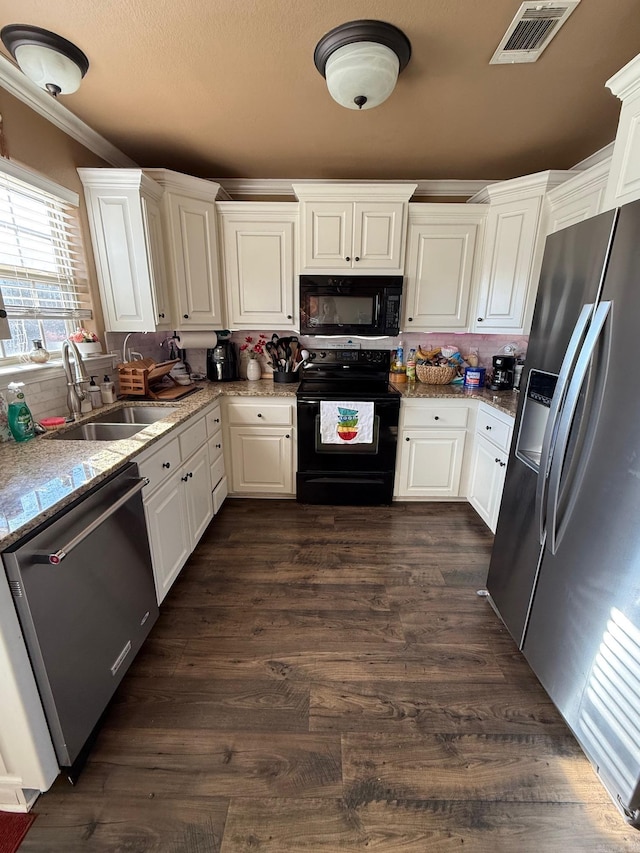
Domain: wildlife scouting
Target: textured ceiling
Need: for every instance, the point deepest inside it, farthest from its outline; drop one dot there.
(228, 88)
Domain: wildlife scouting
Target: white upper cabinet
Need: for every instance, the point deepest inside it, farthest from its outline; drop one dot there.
(191, 241)
(259, 263)
(512, 254)
(579, 198)
(443, 251)
(353, 227)
(624, 179)
(123, 207)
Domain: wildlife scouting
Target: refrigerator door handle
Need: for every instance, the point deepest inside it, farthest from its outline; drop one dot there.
(550, 433)
(566, 420)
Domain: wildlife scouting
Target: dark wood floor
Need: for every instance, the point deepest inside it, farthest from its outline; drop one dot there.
(326, 679)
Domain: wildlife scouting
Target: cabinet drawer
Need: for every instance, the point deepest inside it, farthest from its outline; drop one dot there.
(257, 414)
(437, 416)
(217, 471)
(219, 494)
(493, 428)
(214, 420)
(215, 446)
(193, 438)
(161, 465)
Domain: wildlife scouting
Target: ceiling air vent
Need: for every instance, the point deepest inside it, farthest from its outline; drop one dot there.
(533, 27)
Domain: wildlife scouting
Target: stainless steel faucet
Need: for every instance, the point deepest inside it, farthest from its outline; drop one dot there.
(75, 391)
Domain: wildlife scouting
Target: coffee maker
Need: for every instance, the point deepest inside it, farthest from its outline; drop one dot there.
(222, 362)
(504, 371)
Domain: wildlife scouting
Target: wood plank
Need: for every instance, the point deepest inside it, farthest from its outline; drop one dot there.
(83, 819)
(370, 820)
(283, 629)
(429, 706)
(210, 763)
(509, 768)
(196, 591)
(361, 662)
(229, 704)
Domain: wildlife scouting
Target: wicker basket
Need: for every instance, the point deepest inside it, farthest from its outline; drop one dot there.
(432, 375)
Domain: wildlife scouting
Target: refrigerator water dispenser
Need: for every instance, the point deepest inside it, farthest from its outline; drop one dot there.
(535, 414)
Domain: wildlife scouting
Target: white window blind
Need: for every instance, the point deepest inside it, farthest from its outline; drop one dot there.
(42, 269)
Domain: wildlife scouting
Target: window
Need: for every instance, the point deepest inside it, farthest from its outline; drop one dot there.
(43, 280)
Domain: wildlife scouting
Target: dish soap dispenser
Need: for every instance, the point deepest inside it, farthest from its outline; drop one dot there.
(96, 395)
(18, 414)
(107, 391)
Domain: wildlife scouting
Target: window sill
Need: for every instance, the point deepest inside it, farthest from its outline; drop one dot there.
(28, 372)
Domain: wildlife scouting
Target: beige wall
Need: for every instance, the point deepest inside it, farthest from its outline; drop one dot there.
(34, 142)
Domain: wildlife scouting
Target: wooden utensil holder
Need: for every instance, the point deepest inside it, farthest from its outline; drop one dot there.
(142, 378)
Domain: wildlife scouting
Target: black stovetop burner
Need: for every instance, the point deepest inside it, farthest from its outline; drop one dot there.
(347, 374)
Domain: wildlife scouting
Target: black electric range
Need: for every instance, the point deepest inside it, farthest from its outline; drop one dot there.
(347, 428)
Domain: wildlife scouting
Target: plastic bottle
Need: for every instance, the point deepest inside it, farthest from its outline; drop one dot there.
(18, 415)
(96, 395)
(399, 355)
(107, 391)
(411, 366)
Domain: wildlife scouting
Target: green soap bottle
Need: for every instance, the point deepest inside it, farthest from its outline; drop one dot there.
(18, 414)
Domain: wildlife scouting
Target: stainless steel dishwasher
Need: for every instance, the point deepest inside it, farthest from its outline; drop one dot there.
(83, 588)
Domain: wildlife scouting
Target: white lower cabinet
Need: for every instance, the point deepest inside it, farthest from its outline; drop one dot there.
(489, 463)
(182, 496)
(431, 449)
(261, 446)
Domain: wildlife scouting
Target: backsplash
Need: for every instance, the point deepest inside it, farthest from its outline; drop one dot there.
(155, 344)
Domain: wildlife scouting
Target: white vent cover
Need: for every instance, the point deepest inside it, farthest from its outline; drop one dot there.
(533, 27)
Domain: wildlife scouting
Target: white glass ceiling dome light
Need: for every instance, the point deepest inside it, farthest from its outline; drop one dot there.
(361, 61)
(50, 61)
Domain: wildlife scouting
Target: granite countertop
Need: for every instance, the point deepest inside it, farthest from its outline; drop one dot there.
(42, 476)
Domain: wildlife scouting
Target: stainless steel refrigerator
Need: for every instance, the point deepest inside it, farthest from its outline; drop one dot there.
(565, 566)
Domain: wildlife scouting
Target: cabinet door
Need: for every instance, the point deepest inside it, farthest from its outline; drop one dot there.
(328, 235)
(261, 460)
(157, 265)
(439, 275)
(258, 273)
(169, 536)
(194, 255)
(122, 264)
(511, 242)
(430, 463)
(377, 240)
(198, 493)
(486, 480)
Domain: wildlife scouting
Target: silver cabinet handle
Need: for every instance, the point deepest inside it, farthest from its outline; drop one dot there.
(566, 420)
(58, 556)
(550, 433)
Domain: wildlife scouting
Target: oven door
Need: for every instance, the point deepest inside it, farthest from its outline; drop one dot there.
(346, 474)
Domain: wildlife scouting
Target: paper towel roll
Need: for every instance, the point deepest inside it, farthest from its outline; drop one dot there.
(196, 340)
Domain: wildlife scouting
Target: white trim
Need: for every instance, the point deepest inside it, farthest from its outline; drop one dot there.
(539, 182)
(604, 154)
(15, 82)
(21, 173)
(181, 183)
(626, 81)
(579, 184)
(356, 191)
(241, 188)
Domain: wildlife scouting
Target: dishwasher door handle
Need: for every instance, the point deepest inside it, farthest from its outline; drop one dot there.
(58, 556)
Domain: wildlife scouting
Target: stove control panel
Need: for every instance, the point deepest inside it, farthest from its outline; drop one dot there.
(378, 358)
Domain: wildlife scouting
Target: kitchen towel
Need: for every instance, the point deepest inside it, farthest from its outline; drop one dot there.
(346, 422)
(195, 340)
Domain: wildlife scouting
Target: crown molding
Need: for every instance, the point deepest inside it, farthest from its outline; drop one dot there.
(627, 81)
(535, 184)
(15, 82)
(239, 188)
(603, 155)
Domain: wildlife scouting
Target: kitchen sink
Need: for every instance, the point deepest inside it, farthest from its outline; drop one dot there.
(99, 432)
(134, 415)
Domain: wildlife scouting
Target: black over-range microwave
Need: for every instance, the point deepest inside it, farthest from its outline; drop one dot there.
(350, 305)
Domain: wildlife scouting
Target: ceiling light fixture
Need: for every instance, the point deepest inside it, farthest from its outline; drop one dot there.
(50, 61)
(361, 61)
